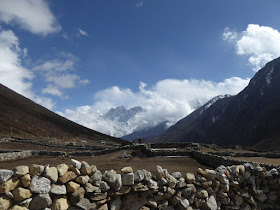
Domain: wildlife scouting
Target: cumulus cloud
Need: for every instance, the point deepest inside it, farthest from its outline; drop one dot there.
(167, 100)
(58, 74)
(260, 43)
(32, 15)
(12, 73)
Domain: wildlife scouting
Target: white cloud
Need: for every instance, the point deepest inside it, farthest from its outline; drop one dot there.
(32, 15)
(260, 43)
(82, 32)
(168, 99)
(12, 74)
(52, 90)
(57, 73)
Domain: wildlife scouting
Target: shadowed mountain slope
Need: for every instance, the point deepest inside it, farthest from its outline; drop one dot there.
(245, 119)
(22, 118)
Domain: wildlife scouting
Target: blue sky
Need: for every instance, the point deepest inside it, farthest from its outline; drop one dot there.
(80, 58)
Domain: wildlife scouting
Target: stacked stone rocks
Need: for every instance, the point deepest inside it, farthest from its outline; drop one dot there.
(82, 186)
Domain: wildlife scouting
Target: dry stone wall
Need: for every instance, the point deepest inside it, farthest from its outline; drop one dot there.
(82, 186)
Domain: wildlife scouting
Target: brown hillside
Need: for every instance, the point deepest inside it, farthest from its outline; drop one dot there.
(22, 118)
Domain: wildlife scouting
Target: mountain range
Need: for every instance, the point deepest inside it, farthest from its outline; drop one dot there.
(247, 118)
(22, 118)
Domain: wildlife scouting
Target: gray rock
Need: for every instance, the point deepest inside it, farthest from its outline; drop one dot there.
(177, 175)
(128, 179)
(96, 178)
(138, 176)
(58, 189)
(40, 201)
(115, 204)
(147, 175)
(40, 184)
(104, 186)
(5, 175)
(84, 203)
(77, 164)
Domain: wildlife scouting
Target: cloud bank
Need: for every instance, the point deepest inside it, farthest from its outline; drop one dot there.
(167, 100)
(260, 43)
(32, 15)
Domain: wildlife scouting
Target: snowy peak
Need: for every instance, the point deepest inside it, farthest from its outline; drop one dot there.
(212, 101)
(121, 114)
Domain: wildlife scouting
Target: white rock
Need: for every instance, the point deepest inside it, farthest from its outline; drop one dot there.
(40, 184)
(77, 164)
(211, 203)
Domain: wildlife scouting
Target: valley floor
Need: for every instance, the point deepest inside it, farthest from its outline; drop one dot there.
(116, 162)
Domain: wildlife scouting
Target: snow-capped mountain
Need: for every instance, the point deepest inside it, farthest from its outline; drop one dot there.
(247, 118)
(121, 114)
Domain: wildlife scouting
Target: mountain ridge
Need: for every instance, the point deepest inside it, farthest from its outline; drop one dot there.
(246, 118)
(24, 118)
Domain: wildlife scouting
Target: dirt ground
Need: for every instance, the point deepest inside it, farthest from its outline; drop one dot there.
(21, 146)
(114, 161)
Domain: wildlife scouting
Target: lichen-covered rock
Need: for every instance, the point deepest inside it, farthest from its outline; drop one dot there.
(190, 178)
(96, 178)
(60, 203)
(40, 184)
(5, 202)
(9, 185)
(77, 195)
(171, 181)
(72, 186)
(52, 174)
(104, 186)
(62, 169)
(138, 176)
(68, 176)
(127, 179)
(82, 179)
(21, 194)
(17, 207)
(159, 172)
(86, 169)
(26, 180)
(84, 203)
(5, 175)
(36, 169)
(58, 189)
(21, 170)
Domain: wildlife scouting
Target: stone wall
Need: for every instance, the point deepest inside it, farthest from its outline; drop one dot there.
(4, 156)
(82, 186)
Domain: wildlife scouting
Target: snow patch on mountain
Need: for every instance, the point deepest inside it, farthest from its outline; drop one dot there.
(268, 77)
